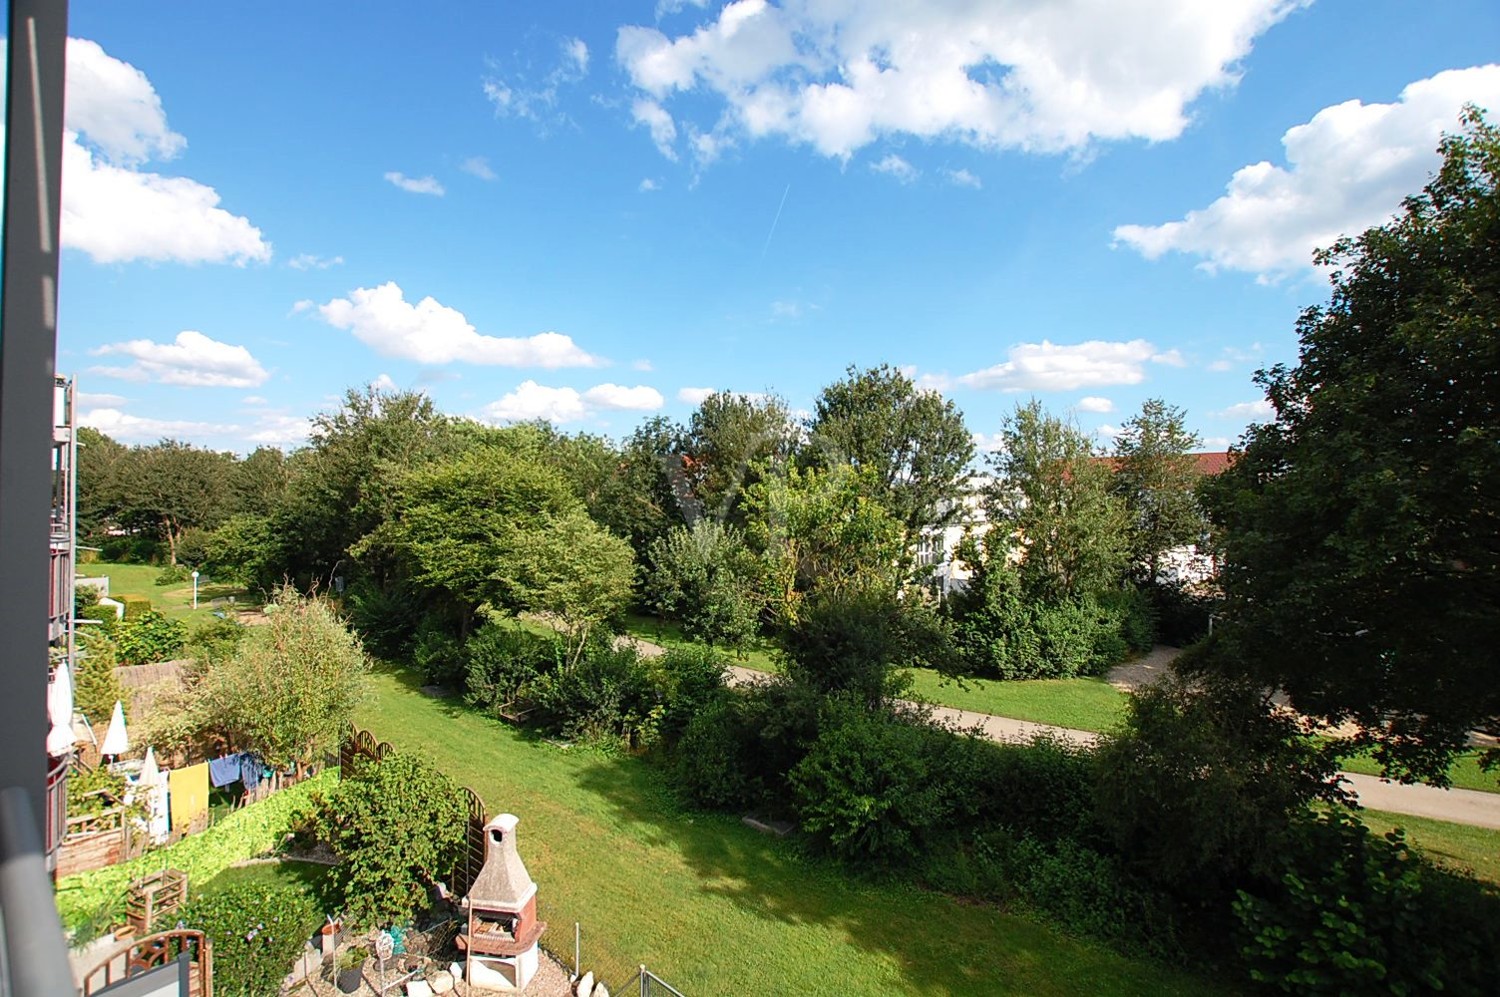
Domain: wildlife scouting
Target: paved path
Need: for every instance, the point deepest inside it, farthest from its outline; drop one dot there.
(1460, 806)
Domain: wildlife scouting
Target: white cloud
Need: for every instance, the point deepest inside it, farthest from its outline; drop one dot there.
(520, 97)
(311, 261)
(114, 211)
(658, 122)
(192, 359)
(537, 401)
(280, 430)
(124, 426)
(1093, 403)
(416, 185)
(1220, 366)
(1046, 366)
(1172, 358)
(786, 309)
(98, 399)
(616, 396)
(963, 178)
(1051, 77)
(647, 185)
(1107, 431)
(694, 396)
(642, 365)
(1216, 442)
(1256, 411)
(432, 333)
(1346, 169)
(478, 166)
(384, 382)
(253, 400)
(988, 442)
(894, 166)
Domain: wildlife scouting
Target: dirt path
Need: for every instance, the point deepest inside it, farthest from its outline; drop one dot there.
(1143, 670)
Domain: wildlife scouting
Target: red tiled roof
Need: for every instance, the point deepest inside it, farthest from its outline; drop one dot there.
(1209, 463)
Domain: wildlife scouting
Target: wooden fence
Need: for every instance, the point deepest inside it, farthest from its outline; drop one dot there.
(362, 744)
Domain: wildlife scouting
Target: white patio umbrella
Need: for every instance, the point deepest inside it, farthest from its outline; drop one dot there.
(116, 742)
(150, 771)
(60, 712)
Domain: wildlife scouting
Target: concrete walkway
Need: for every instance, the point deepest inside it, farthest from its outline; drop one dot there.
(1460, 806)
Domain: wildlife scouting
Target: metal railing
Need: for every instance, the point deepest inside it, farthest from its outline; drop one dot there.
(649, 983)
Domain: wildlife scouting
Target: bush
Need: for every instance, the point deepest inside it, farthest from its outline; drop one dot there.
(1202, 784)
(172, 574)
(1043, 789)
(501, 659)
(712, 764)
(135, 606)
(689, 679)
(96, 688)
(1182, 616)
(867, 790)
(149, 637)
(437, 654)
(386, 620)
(257, 931)
(1359, 914)
(1129, 612)
(853, 643)
(215, 640)
(607, 697)
(105, 615)
(129, 550)
(400, 826)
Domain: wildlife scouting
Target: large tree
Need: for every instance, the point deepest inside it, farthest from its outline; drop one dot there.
(706, 578)
(913, 441)
(1360, 528)
(171, 487)
(730, 439)
(1157, 476)
(1052, 503)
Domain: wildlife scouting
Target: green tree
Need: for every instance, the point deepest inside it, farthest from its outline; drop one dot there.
(914, 442)
(821, 530)
(99, 465)
(170, 487)
(731, 440)
(1359, 529)
(289, 689)
(706, 578)
(641, 500)
(96, 687)
(1051, 502)
(1157, 476)
(257, 484)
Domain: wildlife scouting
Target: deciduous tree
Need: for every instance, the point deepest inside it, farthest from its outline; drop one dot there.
(1157, 476)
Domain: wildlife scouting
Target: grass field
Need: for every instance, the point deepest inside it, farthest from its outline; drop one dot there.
(1465, 772)
(1476, 849)
(716, 908)
(174, 601)
(1083, 704)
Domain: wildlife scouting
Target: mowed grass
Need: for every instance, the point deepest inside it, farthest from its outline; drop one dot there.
(1465, 772)
(174, 601)
(716, 908)
(760, 656)
(1083, 703)
(1475, 849)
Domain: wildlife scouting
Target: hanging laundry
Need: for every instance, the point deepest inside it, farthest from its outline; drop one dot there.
(250, 766)
(225, 770)
(187, 791)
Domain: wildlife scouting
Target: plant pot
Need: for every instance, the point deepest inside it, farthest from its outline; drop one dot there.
(330, 936)
(348, 980)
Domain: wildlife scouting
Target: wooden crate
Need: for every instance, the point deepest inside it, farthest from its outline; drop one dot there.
(155, 896)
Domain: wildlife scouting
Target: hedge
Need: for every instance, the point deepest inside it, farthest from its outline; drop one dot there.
(96, 899)
(135, 605)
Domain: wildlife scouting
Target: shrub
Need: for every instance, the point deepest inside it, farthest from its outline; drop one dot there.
(437, 654)
(1182, 616)
(105, 615)
(1359, 914)
(400, 825)
(852, 642)
(712, 762)
(867, 790)
(96, 687)
(215, 640)
(1203, 782)
(172, 574)
(501, 659)
(1043, 789)
(257, 931)
(606, 697)
(386, 619)
(149, 637)
(689, 679)
(135, 606)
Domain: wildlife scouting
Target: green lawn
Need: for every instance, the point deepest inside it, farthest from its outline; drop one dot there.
(310, 874)
(1465, 772)
(711, 905)
(760, 656)
(1476, 849)
(174, 601)
(1083, 704)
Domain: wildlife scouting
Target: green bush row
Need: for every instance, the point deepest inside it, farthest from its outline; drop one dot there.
(257, 931)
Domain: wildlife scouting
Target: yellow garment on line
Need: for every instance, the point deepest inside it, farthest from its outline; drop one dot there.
(187, 791)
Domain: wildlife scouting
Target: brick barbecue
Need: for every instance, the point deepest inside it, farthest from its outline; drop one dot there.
(500, 942)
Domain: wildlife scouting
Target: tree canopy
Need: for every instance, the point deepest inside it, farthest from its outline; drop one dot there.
(1157, 476)
(1361, 526)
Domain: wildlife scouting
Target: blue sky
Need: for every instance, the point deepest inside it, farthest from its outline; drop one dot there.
(594, 212)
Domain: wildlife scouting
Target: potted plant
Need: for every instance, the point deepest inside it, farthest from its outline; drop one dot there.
(330, 935)
(351, 964)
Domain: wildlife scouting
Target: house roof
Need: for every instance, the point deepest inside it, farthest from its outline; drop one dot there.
(1207, 463)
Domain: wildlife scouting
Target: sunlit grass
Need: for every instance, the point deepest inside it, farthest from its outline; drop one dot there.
(174, 601)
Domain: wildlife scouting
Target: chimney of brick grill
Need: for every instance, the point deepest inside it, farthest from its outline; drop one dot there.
(503, 883)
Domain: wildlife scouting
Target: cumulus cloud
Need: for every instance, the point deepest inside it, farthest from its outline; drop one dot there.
(432, 333)
(1052, 77)
(416, 185)
(279, 430)
(1346, 169)
(988, 442)
(384, 382)
(694, 396)
(192, 359)
(1257, 411)
(647, 185)
(642, 365)
(124, 426)
(1093, 403)
(478, 166)
(311, 261)
(894, 166)
(655, 119)
(112, 209)
(537, 401)
(1047, 366)
(98, 399)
